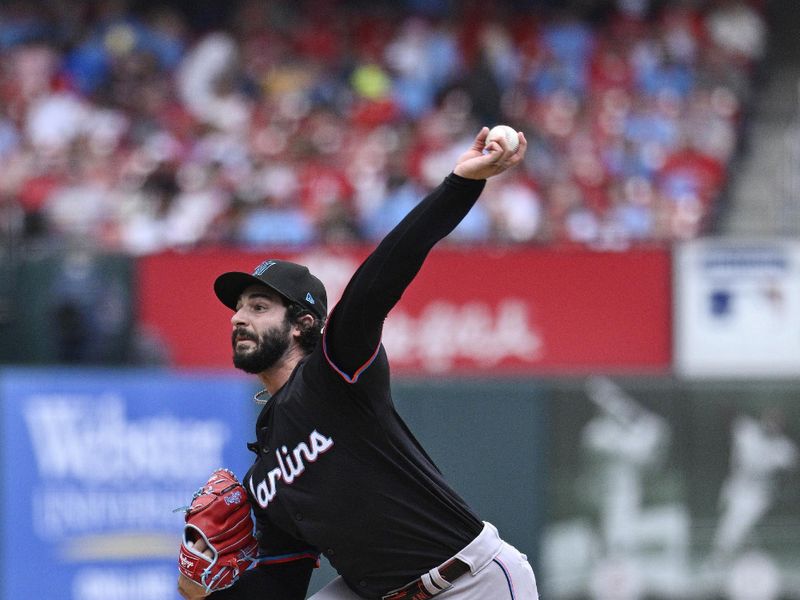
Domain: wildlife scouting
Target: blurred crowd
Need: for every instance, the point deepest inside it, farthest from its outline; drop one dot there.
(132, 128)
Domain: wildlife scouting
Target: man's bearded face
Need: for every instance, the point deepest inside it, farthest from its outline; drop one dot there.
(264, 351)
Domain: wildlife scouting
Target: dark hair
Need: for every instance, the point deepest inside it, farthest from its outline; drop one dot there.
(310, 334)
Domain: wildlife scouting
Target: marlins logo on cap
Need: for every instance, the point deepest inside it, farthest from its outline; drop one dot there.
(263, 267)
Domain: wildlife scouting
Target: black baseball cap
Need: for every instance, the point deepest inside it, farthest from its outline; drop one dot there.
(292, 281)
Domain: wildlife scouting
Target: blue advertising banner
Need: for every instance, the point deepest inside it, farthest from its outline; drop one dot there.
(94, 462)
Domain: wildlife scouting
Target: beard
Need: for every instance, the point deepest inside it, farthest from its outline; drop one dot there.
(270, 347)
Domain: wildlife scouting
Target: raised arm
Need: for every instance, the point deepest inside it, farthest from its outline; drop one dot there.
(354, 328)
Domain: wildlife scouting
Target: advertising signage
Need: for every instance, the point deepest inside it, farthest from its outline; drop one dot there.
(95, 464)
(507, 311)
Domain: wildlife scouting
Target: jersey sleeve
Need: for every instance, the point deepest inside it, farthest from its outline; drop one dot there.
(287, 581)
(351, 341)
(283, 570)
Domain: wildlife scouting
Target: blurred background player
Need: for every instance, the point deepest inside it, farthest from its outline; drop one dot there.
(760, 452)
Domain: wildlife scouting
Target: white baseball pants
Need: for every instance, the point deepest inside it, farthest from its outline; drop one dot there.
(497, 571)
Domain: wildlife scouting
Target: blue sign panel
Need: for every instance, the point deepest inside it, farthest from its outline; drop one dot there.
(94, 464)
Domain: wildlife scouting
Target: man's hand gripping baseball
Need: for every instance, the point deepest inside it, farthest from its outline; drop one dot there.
(484, 160)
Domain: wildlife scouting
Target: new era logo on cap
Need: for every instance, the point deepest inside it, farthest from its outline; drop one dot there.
(310, 298)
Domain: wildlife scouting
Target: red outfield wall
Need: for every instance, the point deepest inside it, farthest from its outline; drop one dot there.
(470, 311)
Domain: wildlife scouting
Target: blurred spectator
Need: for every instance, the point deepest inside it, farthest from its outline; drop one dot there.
(423, 59)
(739, 29)
(400, 197)
(206, 81)
(515, 209)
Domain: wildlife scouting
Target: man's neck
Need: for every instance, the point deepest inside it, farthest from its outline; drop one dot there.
(276, 376)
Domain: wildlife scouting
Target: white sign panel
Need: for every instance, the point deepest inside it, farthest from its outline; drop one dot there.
(737, 309)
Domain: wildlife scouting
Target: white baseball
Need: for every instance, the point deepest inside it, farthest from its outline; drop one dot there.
(504, 131)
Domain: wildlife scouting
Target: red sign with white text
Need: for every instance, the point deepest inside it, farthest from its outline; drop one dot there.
(469, 311)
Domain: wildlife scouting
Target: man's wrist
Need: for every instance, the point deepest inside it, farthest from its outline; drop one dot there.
(455, 172)
(461, 181)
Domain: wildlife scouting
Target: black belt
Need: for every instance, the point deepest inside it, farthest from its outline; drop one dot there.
(416, 590)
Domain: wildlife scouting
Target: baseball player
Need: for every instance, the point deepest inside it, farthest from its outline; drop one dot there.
(336, 470)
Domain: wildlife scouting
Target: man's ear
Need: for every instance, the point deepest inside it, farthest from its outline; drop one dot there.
(301, 324)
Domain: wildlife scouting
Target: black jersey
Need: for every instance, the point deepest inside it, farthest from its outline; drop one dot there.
(337, 470)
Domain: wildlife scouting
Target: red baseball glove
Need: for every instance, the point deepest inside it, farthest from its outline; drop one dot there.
(219, 515)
